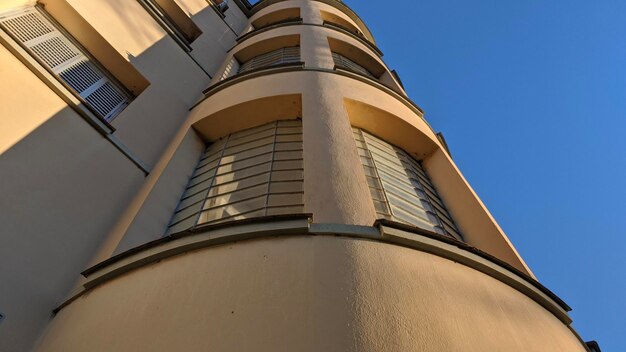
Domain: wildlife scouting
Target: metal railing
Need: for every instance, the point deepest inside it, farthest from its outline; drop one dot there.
(343, 62)
(273, 58)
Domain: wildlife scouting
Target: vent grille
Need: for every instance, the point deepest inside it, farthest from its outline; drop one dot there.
(344, 62)
(252, 173)
(66, 60)
(400, 188)
(276, 57)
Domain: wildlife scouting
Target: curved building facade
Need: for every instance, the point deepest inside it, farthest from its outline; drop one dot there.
(291, 198)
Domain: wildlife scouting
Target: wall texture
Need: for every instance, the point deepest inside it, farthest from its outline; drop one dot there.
(70, 198)
(306, 293)
(63, 185)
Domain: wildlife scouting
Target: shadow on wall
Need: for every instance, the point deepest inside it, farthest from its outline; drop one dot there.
(126, 10)
(62, 186)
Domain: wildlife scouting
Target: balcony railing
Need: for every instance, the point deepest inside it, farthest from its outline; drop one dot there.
(345, 63)
(277, 57)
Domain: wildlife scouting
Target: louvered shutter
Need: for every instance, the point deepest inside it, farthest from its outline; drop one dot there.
(63, 58)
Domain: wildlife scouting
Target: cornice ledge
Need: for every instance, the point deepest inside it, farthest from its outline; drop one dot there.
(385, 231)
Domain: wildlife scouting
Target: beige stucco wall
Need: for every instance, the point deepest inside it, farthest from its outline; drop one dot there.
(335, 192)
(335, 186)
(320, 294)
(331, 100)
(176, 77)
(315, 50)
(306, 293)
(64, 186)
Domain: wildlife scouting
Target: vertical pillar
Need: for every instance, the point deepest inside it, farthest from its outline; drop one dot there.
(335, 188)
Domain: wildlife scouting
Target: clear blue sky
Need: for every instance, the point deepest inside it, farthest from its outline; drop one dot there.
(531, 97)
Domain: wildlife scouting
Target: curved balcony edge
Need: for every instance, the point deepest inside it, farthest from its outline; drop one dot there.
(300, 66)
(385, 231)
(298, 22)
(336, 4)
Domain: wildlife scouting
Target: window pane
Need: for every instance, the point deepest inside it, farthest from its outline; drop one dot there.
(394, 176)
(287, 165)
(247, 154)
(289, 130)
(234, 183)
(285, 187)
(240, 174)
(287, 155)
(289, 138)
(287, 175)
(241, 184)
(289, 146)
(299, 209)
(237, 196)
(232, 209)
(202, 177)
(285, 199)
(290, 123)
(192, 199)
(245, 163)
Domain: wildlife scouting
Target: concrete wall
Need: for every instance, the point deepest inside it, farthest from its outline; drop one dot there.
(306, 293)
(335, 190)
(64, 186)
(72, 199)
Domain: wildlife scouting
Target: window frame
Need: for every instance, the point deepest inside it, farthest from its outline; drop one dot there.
(244, 168)
(394, 186)
(26, 54)
(168, 24)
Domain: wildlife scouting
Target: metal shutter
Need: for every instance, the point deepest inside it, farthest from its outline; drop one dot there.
(31, 28)
(276, 57)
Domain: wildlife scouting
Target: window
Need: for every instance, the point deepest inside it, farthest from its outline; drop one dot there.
(276, 57)
(400, 188)
(252, 173)
(345, 63)
(57, 52)
(175, 22)
(222, 5)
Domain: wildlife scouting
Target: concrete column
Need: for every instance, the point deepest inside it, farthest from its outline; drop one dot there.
(335, 188)
(314, 49)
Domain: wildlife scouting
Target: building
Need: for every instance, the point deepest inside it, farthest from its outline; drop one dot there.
(185, 175)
